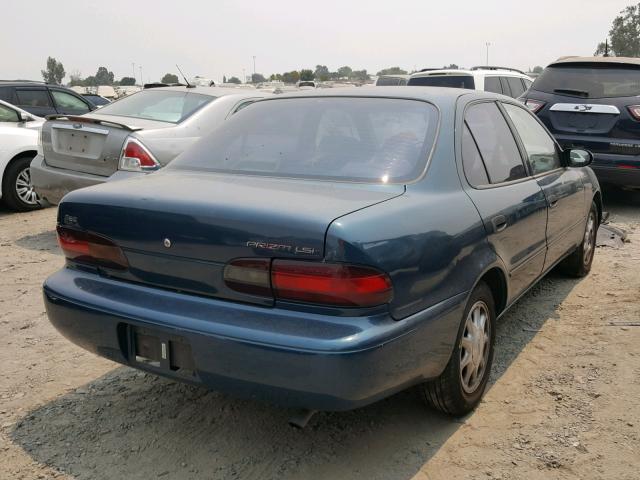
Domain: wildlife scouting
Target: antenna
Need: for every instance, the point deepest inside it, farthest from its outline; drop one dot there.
(185, 78)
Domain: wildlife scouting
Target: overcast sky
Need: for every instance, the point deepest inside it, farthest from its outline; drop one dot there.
(218, 37)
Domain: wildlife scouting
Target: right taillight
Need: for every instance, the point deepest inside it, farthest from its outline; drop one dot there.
(90, 249)
(332, 284)
(135, 157)
(534, 105)
(634, 110)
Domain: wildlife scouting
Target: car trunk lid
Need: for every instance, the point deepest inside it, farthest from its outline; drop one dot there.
(182, 238)
(89, 143)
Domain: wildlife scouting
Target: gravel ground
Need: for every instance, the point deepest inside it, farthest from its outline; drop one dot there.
(562, 403)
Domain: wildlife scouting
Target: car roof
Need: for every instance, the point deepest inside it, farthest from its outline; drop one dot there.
(601, 60)
(211, 91)
(470, 72)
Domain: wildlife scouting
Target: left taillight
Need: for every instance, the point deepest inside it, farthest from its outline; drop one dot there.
(90, 249)
(331, 284)
(135, 157)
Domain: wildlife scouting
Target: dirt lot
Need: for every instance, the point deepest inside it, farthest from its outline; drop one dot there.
(563, 402)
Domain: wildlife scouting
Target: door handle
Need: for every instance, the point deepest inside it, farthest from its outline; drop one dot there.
(553, 201)
(499, 223)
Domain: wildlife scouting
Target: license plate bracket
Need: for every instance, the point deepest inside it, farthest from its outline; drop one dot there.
(158, 350)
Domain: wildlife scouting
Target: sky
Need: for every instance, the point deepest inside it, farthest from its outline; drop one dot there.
(213, 38)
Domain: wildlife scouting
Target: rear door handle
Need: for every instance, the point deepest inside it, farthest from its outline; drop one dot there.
(499, 223)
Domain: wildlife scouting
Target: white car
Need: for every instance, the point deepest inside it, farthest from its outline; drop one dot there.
(503, 80)
(19, 132)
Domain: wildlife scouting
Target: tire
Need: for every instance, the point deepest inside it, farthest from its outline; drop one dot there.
(450, 392)
(17, 192)
(578, 264)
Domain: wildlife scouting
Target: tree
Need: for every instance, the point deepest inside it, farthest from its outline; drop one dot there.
(126, 81)
(392, 71)
(344, 72)
(307, 75)
(624, 36)
(75, 79)
(169, 78)
(257, 78)
(537, 69)
(103, 77)
(235, 80)
(322, 73)
(452, 66)
(360, 75)
(291, 77)
(54, 72)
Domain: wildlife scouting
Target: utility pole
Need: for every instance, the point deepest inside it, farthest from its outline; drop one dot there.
(606, 47)
(133, 66)
(254, 64)
(244, 76)
(488, 44)
(141, 80)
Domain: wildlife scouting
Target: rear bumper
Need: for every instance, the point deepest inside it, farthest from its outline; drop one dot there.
(54, 183)
(279, 355)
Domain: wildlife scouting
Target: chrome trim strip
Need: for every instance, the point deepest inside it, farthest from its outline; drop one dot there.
(585, 108)
(84, 129)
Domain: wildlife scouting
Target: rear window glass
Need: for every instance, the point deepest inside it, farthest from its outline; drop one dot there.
(32, 98)
(162, 105)
(374, 140)
(590, 81)
(391, 81)
(451, 81)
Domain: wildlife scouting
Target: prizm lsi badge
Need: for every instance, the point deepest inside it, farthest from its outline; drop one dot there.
(280, 247)
(70, 220)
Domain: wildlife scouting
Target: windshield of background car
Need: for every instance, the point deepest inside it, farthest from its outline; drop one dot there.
(357, 139)
(162, 105)
(590, 80)
(451, 81)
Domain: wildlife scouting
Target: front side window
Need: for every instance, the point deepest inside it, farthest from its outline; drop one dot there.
(357, 139)
(542, 154)
(497, 146)
(32, 98)
(8, 114)
(162, 105)
(66, 101)
(449, 81)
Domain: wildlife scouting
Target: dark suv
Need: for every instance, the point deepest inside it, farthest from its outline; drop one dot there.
(43, 99)
(594, 102)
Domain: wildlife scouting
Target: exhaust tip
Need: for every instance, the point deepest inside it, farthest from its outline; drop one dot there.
(301, 418)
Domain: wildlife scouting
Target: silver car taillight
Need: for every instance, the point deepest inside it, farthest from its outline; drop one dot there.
(135, 157)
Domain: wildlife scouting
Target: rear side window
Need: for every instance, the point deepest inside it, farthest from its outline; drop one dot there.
(67, 101)
(451, 81)
(32, 98)
(472, 163)
(492, 84)
(590, 80)
(515, 84)
(162, 105)
(497, 146)
(542, 154)
(6, 93)
(527, 83)
(358, 139)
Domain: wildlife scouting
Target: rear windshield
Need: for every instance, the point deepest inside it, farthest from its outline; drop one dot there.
(162, 105)
(359, 139)
(391, 81)
(590, 81)
(451, 81)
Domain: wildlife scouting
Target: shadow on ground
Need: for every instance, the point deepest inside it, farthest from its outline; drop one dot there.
(129, 424)
(44, 241)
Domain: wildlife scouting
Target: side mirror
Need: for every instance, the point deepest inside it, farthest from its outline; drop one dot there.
(577, 157)
(25, 117)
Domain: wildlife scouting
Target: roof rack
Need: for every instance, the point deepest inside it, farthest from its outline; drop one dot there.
(491, 67)
(23, 81)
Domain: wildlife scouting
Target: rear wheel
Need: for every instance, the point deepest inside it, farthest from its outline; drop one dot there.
(459, 389)
(17, 192)
(578, 264)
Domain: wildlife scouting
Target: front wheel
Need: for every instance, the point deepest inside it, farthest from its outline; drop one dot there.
(578, 264)
(17, 192)
(460, 387)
